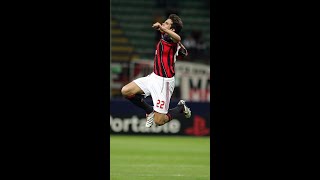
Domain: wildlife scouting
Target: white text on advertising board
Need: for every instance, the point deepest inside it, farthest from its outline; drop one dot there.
(136, 125)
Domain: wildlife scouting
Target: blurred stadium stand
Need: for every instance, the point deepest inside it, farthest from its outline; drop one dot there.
(133, 39)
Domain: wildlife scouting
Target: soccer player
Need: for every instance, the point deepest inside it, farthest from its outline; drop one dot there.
(160, 83)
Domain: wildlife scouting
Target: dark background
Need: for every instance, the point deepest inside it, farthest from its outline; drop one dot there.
(57, 91)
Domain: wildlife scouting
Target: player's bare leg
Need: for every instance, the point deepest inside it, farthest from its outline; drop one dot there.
(181, 109)
(160, 119)
(133, 92)
(131, 89)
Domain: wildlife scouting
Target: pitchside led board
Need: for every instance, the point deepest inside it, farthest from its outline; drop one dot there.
(125, 118)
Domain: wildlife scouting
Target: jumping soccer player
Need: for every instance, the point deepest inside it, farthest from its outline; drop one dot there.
(160, 83)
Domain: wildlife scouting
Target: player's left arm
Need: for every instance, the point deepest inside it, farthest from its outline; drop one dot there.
(183, 52)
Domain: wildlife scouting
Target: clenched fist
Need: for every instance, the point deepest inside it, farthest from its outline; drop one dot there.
(156, 25)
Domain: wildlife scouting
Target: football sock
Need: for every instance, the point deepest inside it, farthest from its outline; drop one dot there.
(175, 112)
(138, 101)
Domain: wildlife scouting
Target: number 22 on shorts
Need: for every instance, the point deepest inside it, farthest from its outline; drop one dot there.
(160, 104)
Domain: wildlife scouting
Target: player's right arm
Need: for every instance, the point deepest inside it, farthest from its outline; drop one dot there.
(174, 36)
(156, 25)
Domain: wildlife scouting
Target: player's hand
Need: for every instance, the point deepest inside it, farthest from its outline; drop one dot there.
(156, 25)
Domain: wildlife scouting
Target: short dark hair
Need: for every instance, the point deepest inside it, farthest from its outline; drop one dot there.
(176, 22)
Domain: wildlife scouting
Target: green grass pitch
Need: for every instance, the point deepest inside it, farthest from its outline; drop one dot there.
(159, 157)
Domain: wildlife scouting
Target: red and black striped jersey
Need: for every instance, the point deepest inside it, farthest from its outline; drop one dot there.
(165, 57)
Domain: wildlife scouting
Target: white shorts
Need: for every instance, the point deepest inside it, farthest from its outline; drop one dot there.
(159, 88)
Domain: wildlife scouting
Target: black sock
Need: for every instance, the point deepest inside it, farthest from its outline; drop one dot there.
(175, 112)
(138, 101)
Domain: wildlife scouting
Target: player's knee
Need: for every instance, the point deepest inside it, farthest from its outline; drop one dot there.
(158, 120)
(125, 91)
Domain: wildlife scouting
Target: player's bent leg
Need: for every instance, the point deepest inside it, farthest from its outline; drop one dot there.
(180, 110)
(131, 89)
(160, 119)
(186, 109)
(133, 92)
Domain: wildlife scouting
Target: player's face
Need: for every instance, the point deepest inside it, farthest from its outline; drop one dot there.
(167, 24)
